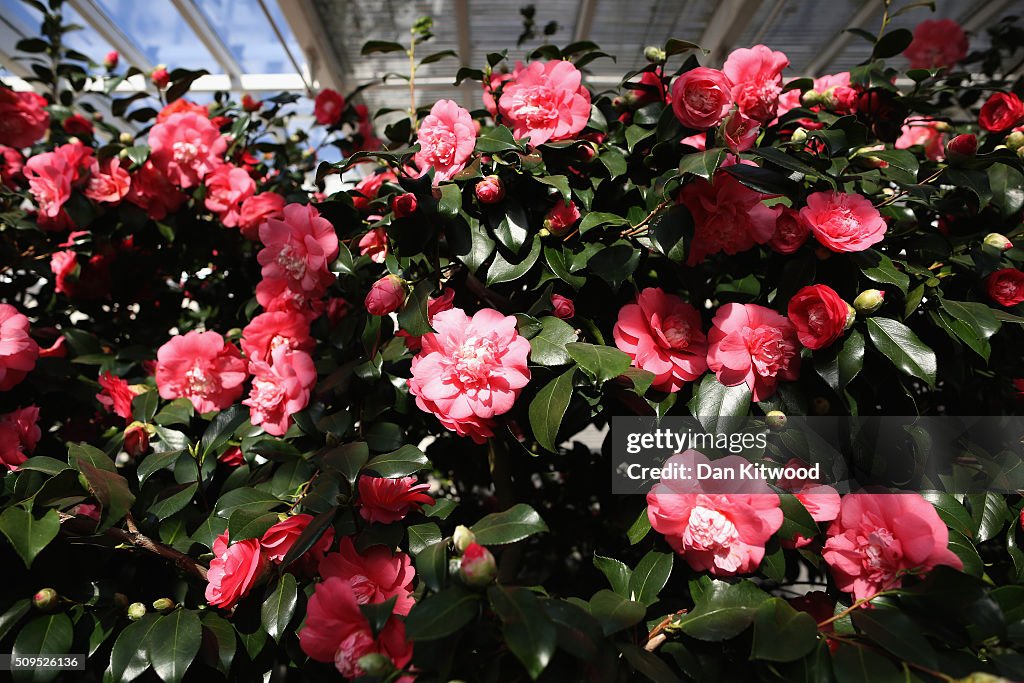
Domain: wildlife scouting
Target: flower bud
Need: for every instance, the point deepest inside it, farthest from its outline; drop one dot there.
(490, 190)
(404, 205)
(776, 420)
(136, 439)
(654, 54)
(111, 60)
(160, 77)
(463, 538)
(136, 611)
(164, 604)
(1015, 140)
(962, 148)
(586, 152)
(386, 295)
(561, 217)
(478, 567)
(126, 138)
(851, 316)
(799, 135)
(811, 98)
(562, 307)
(250, 103)
(45, 599)
(1000, 242)
(376, 664)
(869, 301)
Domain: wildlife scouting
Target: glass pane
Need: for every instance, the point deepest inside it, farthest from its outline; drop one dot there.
(244, 28)
(161, 33)
(26, 20)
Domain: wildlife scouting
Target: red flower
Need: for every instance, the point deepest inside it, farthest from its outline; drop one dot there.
(256, 210)
(390, 500)
(937, 43)
(701, 98)
(279, 539)
(1006, 286)
(116, 395)
(329, 107)
(233, 571)
(23, 118)
(404, 205)
(790, 232)
(1001, 111)
(76, 124)
(819, 316)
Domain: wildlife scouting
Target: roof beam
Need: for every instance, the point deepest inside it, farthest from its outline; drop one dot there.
(108, 30)
(327, 68)
(197, 21)
(726, 26)
(584, 20)
(833, 47)
(299, 68)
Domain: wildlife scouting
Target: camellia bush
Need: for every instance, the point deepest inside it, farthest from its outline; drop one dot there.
(253, 431)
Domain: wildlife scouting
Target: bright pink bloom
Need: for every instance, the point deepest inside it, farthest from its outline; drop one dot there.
(328, 107)
(490, 190)
(390, 500)
(256, 210)
(19, 434)
(562, 216)
(819, 315)
(386, 295)
(701, 98)
(491, 87)
(662, 334)
(233, 570)
(843, 222)
(23, 118)
(756, 77)
(446, 137)
(562, 307)
(937, 43)
(111, 60)
(52, 175)
(1006, 286)
(477, 566)
(717, 526)
(336, 631)
(109, 183)
(470, 370)
(116, 395)
(820, 500)
(546, 102)
(280, 387)
(375, 576)
(201, 367)
(272, 329)
(791, 233)
(279, 539)
(922, 132)
(299, 248)
(739, 132)
(18, 351)
(160, 76)
(152, 191)
(186, 147)
(727, 217)
(404, 205)
(878, 537)
(366, 189)
(375, 245)
(279, 294)
(754, 345)
(226, 188)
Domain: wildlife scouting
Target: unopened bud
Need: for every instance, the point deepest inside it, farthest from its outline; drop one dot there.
(404, 205)
(962, 148)
(376, 664)
(111, 60)
(126, 138)
(776, 420)
(1000, 242)
(386, 295)
(851, 316)
(478, 567)
(164, 604)
(811, 98)
(136, 611)
(490, 190)
(160, 77)
(654, 54)
(463, 537)
(869, 301)
(45, 599)
(136, 439)
(799, 135)
(1015, 140)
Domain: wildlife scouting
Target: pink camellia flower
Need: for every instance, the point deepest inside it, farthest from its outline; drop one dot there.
(878, 537)
(376, 575)
(820, 500)
(819, 315)
(336, 631)
(186, 148)
(233, 570)
(843, 222)
(754, 345)
(226, 188)
(299, 248)
(447, 136)
(835, 92)
(728, 217)
(386, 295)
(19, 434)
(152, 191)
(756, 77)
(1006, 286)
(653, 92)
(52, 175)
(701, 98)
(375, 245)
(160, 77)
(279, 539)
(272, 329)
(281, 386)
(201, 367)
(279, 294)
(1001, 111)
(256, 210)
(109, 183)
(717, 526)
(546, 102)
(562, 307)
(328, 107)
(390, 500)
(937, 43)
(490, 190)
(791, 233)
(23, 118)
(562, 216)
(470, 370)
(491, 86)
(18, 351)
(64, 266)
(182, 106)
(136, 439)
(924, 132)
(11, 165)
(962, 148)
(116, 395)
(435, 305)
(366, 190)
(739, 132)
(662, 334)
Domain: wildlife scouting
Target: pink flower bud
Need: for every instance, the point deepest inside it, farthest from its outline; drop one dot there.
(404, 205)
(562, 308)
(136, 439)
(1000, 242)
(160, 77)
(386, 295)
(561, 217)
(962, 148)
(45, 599)
(250, 103)
(111, 60)
(478, 567)
(490, 190)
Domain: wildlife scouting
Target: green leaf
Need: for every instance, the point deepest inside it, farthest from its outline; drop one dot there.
(81, 452)
(670, 231)
(372, 46)
(502, 270)
(13, 615)
(174, 643)
(144, 406)
(400, 463)
(596, 218)
(246, 523)
(559, 182)
(781, 633)
(898, 342)
(413, 317)
(649, 577)
(27, 534)
(154, 462)
(880, 268)
(723, 612)
(616, 572)
(713, 401)
(548, 347)
(838, 364)
(422, 535)
(309, 536)
(977, 316)
(862, 665)
(348, 459)
(442, 614)
(508, 526)
(527, 631)
(514, 229)
(903, 165)
(129, 658)
(222, 634)
(600, 363)
(703, 164)
(432, 565)
(892, 44)
(950, 511)
(897, 633)
(49, 634)
(276, 613)
(451, 200)
(640, 528)
(616, 263)
(110, 490)
(615, 612)
(796, 520)
(438, 56)
(648, 663)
(497, 139)
(173, 499)
(222, 427)
(244, 498)
(548, 407)
(989, 514)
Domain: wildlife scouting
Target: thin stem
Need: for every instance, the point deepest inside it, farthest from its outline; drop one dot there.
(412, 81)
(855, 605)
(885, 20)
(639, 227)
